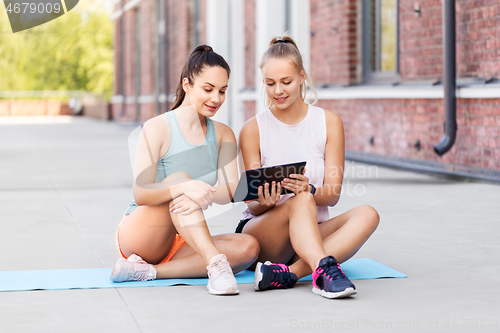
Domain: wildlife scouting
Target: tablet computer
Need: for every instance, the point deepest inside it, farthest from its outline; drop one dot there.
(250, 180)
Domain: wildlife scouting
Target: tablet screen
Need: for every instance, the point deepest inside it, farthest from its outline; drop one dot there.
(250, 180)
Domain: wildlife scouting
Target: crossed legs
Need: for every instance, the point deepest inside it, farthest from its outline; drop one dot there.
(289, 233)
(149, 231)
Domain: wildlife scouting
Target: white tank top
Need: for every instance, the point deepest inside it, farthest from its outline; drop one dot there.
(282, 144)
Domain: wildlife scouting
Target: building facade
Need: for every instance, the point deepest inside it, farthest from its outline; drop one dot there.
(378, 64)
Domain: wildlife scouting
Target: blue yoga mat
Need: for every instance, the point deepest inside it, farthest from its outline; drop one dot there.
(93, 278)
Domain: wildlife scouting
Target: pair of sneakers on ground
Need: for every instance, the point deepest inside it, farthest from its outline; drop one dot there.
(328, 279)
(221, 280)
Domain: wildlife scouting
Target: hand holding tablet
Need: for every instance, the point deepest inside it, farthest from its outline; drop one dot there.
(250, 180)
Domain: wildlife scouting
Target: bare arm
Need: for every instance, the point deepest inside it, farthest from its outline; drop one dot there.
(145, 190)
(329, 194)
(250, 152)
(227, 172)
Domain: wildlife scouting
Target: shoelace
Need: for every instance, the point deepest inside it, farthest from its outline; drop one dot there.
(141, 271)
(281, 276)
(332, 271)
(219, 268)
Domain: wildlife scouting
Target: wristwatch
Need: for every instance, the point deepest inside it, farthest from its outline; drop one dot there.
(313, 189)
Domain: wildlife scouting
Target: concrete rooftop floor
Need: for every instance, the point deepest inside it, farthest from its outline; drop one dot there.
(65, 183)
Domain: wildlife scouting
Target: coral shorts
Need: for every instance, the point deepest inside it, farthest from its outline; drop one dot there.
(178, 242)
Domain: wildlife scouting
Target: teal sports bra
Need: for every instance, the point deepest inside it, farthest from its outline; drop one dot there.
(199, 161)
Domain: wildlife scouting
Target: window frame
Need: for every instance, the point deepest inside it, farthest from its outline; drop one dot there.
(377, 76)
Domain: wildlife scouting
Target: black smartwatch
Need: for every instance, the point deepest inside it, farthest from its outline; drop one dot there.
(313, 189)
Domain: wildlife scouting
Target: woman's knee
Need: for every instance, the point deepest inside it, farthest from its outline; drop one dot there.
(248, 247)
(303, 199)
(370, 216)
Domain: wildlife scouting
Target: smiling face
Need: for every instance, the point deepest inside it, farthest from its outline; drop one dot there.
(208, 91)
(282, 81)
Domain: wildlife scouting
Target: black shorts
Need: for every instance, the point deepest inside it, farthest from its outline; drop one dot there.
(241, 225)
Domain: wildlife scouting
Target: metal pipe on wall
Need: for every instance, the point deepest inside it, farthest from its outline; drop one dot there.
(449, 68)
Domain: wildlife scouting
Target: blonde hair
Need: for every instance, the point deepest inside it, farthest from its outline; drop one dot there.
(285, 47)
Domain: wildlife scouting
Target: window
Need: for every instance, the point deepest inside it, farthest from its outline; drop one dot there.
(380, 41)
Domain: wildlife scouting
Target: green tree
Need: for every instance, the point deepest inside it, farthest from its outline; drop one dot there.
(72, 52)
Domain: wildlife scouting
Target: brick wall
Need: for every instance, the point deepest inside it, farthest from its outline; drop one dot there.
(420, 40)
(148, 57)
(130, 45)
(118, 54)
(178, 32)
(478, 43)
(117, 49)
(478, 49)
(249, 109)
(129, 54)
(334, 38)
(147, 43)
(202, 36)
(250, 61)
(178, 40)
(147, 112)
(396, 125)
(333, 42)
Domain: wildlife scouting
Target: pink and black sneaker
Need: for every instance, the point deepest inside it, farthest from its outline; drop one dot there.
(330, 281)
(273, 276)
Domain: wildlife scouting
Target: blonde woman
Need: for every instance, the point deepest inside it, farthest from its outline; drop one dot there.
(295, 229)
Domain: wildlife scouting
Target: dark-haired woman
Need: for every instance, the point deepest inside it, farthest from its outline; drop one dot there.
(180, 156)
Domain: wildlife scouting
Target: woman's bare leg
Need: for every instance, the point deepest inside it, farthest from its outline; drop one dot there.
(149, 231)
(289, 227)
(343, 236)
(193, 228)
(241, 251)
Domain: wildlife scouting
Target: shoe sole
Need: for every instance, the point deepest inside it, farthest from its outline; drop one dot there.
(230, 291)
(345, 293)
(258, 276)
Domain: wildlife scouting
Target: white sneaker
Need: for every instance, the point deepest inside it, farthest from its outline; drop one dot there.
(132, 269)
(221, 280)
